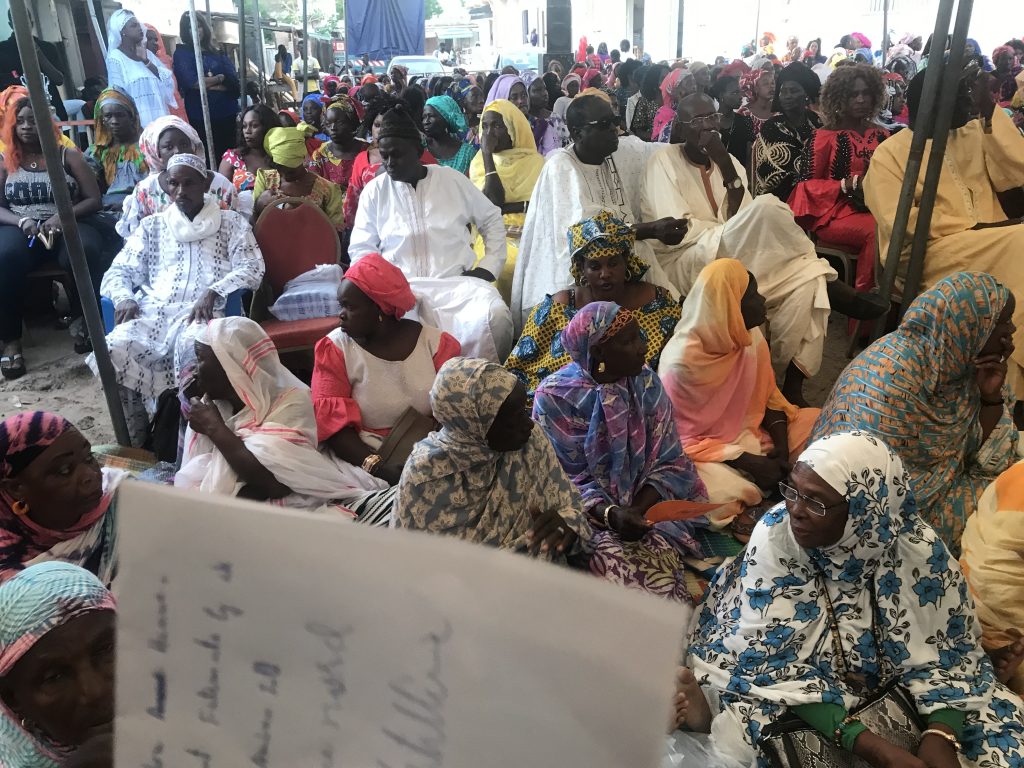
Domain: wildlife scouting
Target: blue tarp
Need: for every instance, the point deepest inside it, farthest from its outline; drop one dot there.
(384, 28)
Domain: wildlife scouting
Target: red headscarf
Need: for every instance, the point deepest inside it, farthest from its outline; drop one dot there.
(9, 101)
(161, 53)
(383, 283)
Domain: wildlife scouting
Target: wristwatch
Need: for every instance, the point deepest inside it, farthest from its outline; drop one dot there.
(736, 183)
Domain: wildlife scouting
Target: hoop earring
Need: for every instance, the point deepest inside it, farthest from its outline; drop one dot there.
(20, 508)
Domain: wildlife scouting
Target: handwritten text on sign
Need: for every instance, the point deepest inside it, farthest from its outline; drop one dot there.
(249, 636)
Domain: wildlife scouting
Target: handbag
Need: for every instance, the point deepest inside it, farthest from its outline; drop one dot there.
(412, 427)
(891, 713)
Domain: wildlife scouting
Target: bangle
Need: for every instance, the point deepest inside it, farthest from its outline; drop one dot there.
(947, 736)
(370, 463)
(856, 181)
(842, 185)
(491, 173)
(608, 509)
(777, 421)
(837, 737)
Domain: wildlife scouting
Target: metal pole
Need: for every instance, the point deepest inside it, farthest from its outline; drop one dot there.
(100, 39)
(923, 125)
(885, 31)
(305, 49)
(261, 54)
(197, 49)
(757, 29)
(950, 70)
(243, 59)
(69, 224)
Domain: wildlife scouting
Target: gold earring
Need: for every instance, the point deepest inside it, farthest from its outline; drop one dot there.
(20, 508)
(600, 367)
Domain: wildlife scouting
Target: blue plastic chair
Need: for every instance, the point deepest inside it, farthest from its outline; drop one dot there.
(232, 308)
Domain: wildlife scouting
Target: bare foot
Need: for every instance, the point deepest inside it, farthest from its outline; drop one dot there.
(1007, 659)
(690, 706)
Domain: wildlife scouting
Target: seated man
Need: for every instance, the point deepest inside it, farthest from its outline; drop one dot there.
(700, 181)
(175, 271)
(418, 217)
(969, 229)
(599, 171)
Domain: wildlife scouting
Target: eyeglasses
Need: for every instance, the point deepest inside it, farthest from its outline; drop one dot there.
(604, 124)
(704, 120)
(791, 494)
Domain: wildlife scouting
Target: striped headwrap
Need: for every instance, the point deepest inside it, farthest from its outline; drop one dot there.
(106, 152)
(24, 436)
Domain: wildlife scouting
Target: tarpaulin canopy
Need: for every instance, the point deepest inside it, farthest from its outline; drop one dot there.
(384, 28)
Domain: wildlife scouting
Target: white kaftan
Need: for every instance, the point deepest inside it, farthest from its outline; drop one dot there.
(425, 231)
(568, 191)
(762, 235)
(152, 94)
(166, 276)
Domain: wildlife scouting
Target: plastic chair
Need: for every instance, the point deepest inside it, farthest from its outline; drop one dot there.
(295, 237)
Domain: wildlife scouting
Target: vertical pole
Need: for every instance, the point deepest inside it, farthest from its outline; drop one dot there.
(949, 68)
(39, 100)
(344, 26)
(885, 31)
(757, 28)
(197, 49)
(305, 48)
(261, 53)
(97, 29)
(243, 58)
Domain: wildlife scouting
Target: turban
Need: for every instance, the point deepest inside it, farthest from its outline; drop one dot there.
(383, 283)
(287, 146)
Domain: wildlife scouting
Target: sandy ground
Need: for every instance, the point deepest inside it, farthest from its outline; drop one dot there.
(59, 380)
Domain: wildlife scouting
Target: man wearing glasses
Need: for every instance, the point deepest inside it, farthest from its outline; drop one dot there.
(599, 171)
(699, 180)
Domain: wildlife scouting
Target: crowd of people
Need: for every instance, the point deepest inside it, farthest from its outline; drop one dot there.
(575, 316)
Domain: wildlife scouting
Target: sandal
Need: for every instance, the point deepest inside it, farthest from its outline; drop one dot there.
(11, 372)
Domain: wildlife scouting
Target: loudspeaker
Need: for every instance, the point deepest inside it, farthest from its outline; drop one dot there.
(559, 26)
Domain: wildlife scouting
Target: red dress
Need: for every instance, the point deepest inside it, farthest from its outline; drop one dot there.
(819, 204)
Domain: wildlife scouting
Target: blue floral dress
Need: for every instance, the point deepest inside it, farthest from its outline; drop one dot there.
(763, 640)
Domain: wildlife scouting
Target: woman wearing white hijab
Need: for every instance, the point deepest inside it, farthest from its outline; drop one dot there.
(136, 70)
(843, 589)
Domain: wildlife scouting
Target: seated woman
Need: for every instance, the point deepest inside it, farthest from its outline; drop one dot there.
(611, 425)
(842, 588)
(487, 475)
(57, 624)
(934, 390)
(374, 368)
(288, 176)
(549, 130)
(161, 140)
(241, 163)
(779, 150)
(253, 433)
(55, 501)
(418, 217)
(114, 156)
(30, 228)
(444, 125)
(717, 370)
(604, 268)
(506, 170)
(174, 273)
(828, 200)
(334, 159)
(992, 544)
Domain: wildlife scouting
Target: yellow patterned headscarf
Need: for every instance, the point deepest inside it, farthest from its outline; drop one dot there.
(287, 146)
(599, 237)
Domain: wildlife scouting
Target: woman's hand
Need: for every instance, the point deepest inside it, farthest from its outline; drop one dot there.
(30, 227)
(389, 473)
(126, 310)
(765, 471)
(202, 310)
(937, 752)
(51, 225)
(204, 418)
(883, 754)
(990, 375)
(549, 533)
(629, 523)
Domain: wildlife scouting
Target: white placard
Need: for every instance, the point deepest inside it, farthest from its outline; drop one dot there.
(251, 636)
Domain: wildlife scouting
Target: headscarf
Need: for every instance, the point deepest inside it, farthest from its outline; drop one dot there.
(503, 87)
(165, 59)
(8, 110)
(749, 80)
(149, 142)
(118, 21)
(571, 77)
(290, 113)
(449, 109)
(455, 484)
(103, 146)
(368, 80)
(36, 601)
(631, 439)
(862, 39)
(460, 89)
(588, 78)
(764, 635)
(799, 73)
(667, 111)
(194, 162)
(383, 283)
(287, 146)
(915, 389)
(602, 235)
(345, 104)
(397, 123)
(277, 423)
(518, 168)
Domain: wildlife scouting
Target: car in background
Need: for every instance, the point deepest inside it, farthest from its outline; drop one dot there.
(419, 66)
(524, 60)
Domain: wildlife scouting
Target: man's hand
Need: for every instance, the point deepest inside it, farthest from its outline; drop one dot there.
(126, 310)
(202, 311)
(668, 230)
(480, 273)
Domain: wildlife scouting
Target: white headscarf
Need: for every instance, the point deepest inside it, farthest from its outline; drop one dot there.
(277, 423)
(118, 21)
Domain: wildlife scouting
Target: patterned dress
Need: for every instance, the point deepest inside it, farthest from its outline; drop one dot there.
(778, 152)
(766, 641)
(337, 170)
(539, 351)
(461, 160)
(325, 195)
